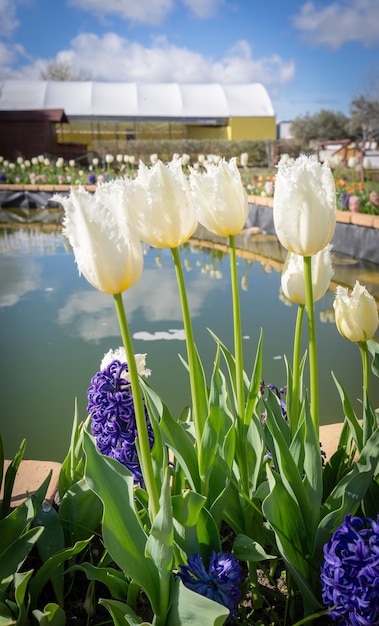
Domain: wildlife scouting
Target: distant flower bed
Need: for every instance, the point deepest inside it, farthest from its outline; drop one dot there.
(41, 170)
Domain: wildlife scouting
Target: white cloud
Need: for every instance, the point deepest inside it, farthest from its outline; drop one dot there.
(166, 335)
(8, 19)
(114, 58)
(138, 11)
(339, 23)
(146, 11)
(203, 9)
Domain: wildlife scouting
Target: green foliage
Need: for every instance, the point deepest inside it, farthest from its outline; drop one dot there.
(364, 122)
(322, 126)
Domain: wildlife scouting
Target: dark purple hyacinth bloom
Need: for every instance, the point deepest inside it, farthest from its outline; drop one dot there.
(350, 573)
(91, 179)
(113, 422)
(219, 582)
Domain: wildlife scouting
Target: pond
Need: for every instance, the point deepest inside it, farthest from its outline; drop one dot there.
(55, 328)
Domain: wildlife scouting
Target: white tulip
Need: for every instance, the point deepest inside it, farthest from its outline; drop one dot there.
(107, 249)
(292, 279)
(220, 199)
(163, 210)
(356, 314)
(304, 205)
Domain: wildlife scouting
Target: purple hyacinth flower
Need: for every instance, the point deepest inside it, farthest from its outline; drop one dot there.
(91, 179)
(113, 422)
(219, 582)
(350, 573)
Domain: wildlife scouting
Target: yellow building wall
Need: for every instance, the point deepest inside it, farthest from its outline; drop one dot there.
(239, 128)
(206, 132)
(255, 128)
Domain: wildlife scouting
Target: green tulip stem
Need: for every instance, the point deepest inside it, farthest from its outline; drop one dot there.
(190, 344)
(237, 328)
(143, 438)
(366, 375)
(294, 415)
(313, 366)
(240, 392)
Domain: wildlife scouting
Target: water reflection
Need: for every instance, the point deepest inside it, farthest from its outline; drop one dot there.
(55, 328)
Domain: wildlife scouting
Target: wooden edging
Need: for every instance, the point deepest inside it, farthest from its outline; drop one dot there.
(345, 217)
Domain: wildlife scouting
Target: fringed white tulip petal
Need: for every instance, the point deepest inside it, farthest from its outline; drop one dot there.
(163, 210)
(221, 201)
(356, 314)
(108, 255)
(304, 205)
(292, 279)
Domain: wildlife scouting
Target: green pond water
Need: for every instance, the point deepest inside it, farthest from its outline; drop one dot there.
(55, 329)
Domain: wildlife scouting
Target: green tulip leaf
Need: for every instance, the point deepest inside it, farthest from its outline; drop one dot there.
(123, 534)
(14, 556)
(246, 549)
(175, 437)
(373, 346)
(122, 614)
(80, 511)
(110, 577)
(188, 607)
(10, 476)
(47, 570)
(52, 615)
(51, 542)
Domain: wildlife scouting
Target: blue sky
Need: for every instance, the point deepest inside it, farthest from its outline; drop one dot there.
(309, 55)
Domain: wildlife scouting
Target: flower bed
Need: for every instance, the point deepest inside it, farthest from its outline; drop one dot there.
(228, 512)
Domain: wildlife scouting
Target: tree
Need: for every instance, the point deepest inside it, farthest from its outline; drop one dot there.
(322, 126)
(62, 70)
(364, 123)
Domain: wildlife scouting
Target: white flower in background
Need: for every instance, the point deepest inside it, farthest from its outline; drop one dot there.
(41, 158)
(95, 161)
(220, 198)
(244, 159)
(109, 158)
(353, 162)
(286, 159)
(20, 160)
(132, 159)
(175, 156)
(356, 314)
(120, 355)
(59, 162)
(119, 158)
(292, 279)
(367, 164)
(201, 158)
(46, 162)
(153, 158)
(269, 187)
(185, 159)
(304, 205)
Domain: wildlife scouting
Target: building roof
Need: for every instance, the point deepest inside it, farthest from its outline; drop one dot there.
(37, 115)
(91, 100)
